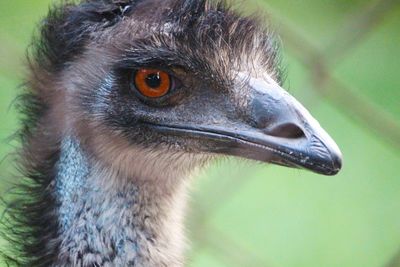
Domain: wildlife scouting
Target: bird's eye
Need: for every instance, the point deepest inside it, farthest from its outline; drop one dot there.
(152, 83)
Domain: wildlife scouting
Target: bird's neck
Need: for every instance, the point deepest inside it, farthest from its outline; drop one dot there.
(108, 219)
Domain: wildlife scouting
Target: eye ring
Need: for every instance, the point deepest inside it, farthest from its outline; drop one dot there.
(152, 83)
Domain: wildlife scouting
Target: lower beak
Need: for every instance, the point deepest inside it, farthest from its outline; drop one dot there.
(313, 153)
(280, 130)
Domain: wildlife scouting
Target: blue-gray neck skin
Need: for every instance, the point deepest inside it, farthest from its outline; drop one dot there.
(108, 220)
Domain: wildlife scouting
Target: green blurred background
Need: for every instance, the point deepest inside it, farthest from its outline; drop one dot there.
(343, 62)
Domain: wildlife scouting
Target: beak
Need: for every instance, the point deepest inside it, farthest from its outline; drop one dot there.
(288, 131)
(278, 130)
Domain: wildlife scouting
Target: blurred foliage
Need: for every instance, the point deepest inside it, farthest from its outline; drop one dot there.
(343, 62)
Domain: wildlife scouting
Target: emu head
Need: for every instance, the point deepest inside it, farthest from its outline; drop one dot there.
(161, 86)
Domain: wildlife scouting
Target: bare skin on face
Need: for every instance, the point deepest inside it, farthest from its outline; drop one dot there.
(126, 99)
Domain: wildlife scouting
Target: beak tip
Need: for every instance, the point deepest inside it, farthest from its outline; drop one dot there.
(336, 162)
(326, 157)
(333, 156)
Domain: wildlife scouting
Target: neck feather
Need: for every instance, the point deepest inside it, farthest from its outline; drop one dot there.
(109, 219)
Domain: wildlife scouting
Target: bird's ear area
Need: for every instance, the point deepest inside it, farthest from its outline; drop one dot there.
(106, 12)
(68, 26)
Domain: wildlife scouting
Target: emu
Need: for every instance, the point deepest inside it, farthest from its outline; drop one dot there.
(124, 100)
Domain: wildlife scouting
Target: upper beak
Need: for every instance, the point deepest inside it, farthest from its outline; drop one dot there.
(285, 133)
(278, 129)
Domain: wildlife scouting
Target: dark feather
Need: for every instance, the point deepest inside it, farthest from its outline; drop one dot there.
(203, 29)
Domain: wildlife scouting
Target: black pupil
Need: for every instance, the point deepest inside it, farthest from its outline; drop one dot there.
(153, 80)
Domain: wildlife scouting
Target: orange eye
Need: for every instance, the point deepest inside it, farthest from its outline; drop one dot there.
(152, 82)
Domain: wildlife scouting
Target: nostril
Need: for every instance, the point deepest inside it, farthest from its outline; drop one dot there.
(287, 130)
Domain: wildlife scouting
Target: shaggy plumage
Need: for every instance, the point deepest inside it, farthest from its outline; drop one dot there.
(105, 179)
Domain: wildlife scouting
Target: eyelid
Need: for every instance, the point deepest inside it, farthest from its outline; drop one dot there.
(171, 67)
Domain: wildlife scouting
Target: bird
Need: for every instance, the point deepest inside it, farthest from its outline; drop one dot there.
(123, 101)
